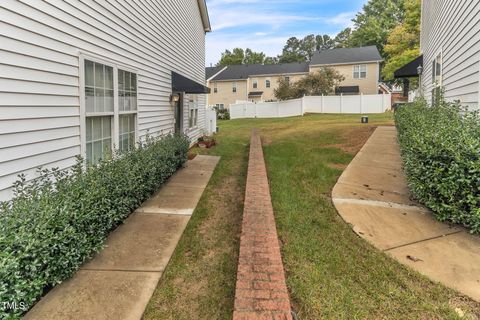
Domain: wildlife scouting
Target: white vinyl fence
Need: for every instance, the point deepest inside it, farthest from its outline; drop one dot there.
(361, 104)
(210, 121)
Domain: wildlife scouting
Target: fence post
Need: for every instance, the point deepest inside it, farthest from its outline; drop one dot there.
(322, 103)
(383, 102)
(303, 105)
(341, 102)
(361, 102)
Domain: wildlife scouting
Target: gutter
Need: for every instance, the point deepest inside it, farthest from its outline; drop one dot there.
(204, 13)
(344, 63)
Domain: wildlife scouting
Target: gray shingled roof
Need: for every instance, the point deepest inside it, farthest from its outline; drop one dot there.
(346, 55)
(238, 72)
(211, 71)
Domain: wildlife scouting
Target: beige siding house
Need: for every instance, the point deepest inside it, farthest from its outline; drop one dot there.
(250, 82)
(450, 44)
(79, 77)
(359, 66)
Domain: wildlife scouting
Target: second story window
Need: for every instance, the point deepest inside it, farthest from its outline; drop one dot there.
(360, 71)
(234, 87)
(215, 88)
(255, 84)
(287, 79)
(267, 83)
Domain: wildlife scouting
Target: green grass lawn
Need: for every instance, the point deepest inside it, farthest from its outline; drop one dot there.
(331, 272)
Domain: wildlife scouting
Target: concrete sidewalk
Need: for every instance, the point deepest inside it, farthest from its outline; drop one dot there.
(372, 195)
(119, 281)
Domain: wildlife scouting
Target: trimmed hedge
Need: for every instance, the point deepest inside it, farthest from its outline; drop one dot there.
(49, 229)
(441, 152)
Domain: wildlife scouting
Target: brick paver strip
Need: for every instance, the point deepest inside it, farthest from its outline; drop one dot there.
(261, 291)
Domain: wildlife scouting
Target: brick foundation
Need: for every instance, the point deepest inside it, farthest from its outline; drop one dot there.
(261, 291)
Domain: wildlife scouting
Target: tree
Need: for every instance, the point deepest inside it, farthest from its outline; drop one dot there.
(375, 22)
(229, 58)
(403, 43)
(308, 46)
(342, 38)
(285, 90)
(321, 82)
(270, 60)
(324, 42)
(240, 56)
(252, 57)
(291, 51)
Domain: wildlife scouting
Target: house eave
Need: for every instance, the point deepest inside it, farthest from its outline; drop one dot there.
(345, 63)
(204, 13)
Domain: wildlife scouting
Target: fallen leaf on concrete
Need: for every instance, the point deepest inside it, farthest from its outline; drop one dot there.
(414, 259)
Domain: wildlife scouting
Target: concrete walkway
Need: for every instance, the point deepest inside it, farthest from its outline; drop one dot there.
(372, 196)
(261, 291)
(118, 283)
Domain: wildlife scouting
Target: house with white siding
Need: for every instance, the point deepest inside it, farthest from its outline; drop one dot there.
(84, 77)
(450, 47)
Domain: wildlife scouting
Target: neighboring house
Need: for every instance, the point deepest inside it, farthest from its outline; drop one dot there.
(359, 66)
(450, 47)
(210, 73)
(83, 77)
(254, 82)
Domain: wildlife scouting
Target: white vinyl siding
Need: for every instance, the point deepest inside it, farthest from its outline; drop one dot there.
(40, 89)
(452, 27)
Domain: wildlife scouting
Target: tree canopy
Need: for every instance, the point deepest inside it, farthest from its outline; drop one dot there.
(375, 22)
(403, 43)
(240, 56)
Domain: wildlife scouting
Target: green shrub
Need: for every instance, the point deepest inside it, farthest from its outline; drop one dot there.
(223, 114)
(49, 229)
(441, 152)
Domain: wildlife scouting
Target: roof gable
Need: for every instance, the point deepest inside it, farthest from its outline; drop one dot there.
(346, 55)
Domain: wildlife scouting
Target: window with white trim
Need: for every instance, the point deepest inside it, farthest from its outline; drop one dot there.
(234, 87)
(255, 84)
(215, 87)
(287, 79)
(127, 109)
(220, 106)
(267, 83)
(360, 71)
(437, 70)
(192, 111)
(102, 111)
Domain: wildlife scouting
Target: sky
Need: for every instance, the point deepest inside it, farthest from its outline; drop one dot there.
(265, 25)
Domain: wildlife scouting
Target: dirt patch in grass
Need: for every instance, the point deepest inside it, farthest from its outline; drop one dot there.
(354, 139)
(199, 282)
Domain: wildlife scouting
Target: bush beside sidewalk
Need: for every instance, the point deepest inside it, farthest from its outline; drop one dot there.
(440, 147)
(48, 230)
